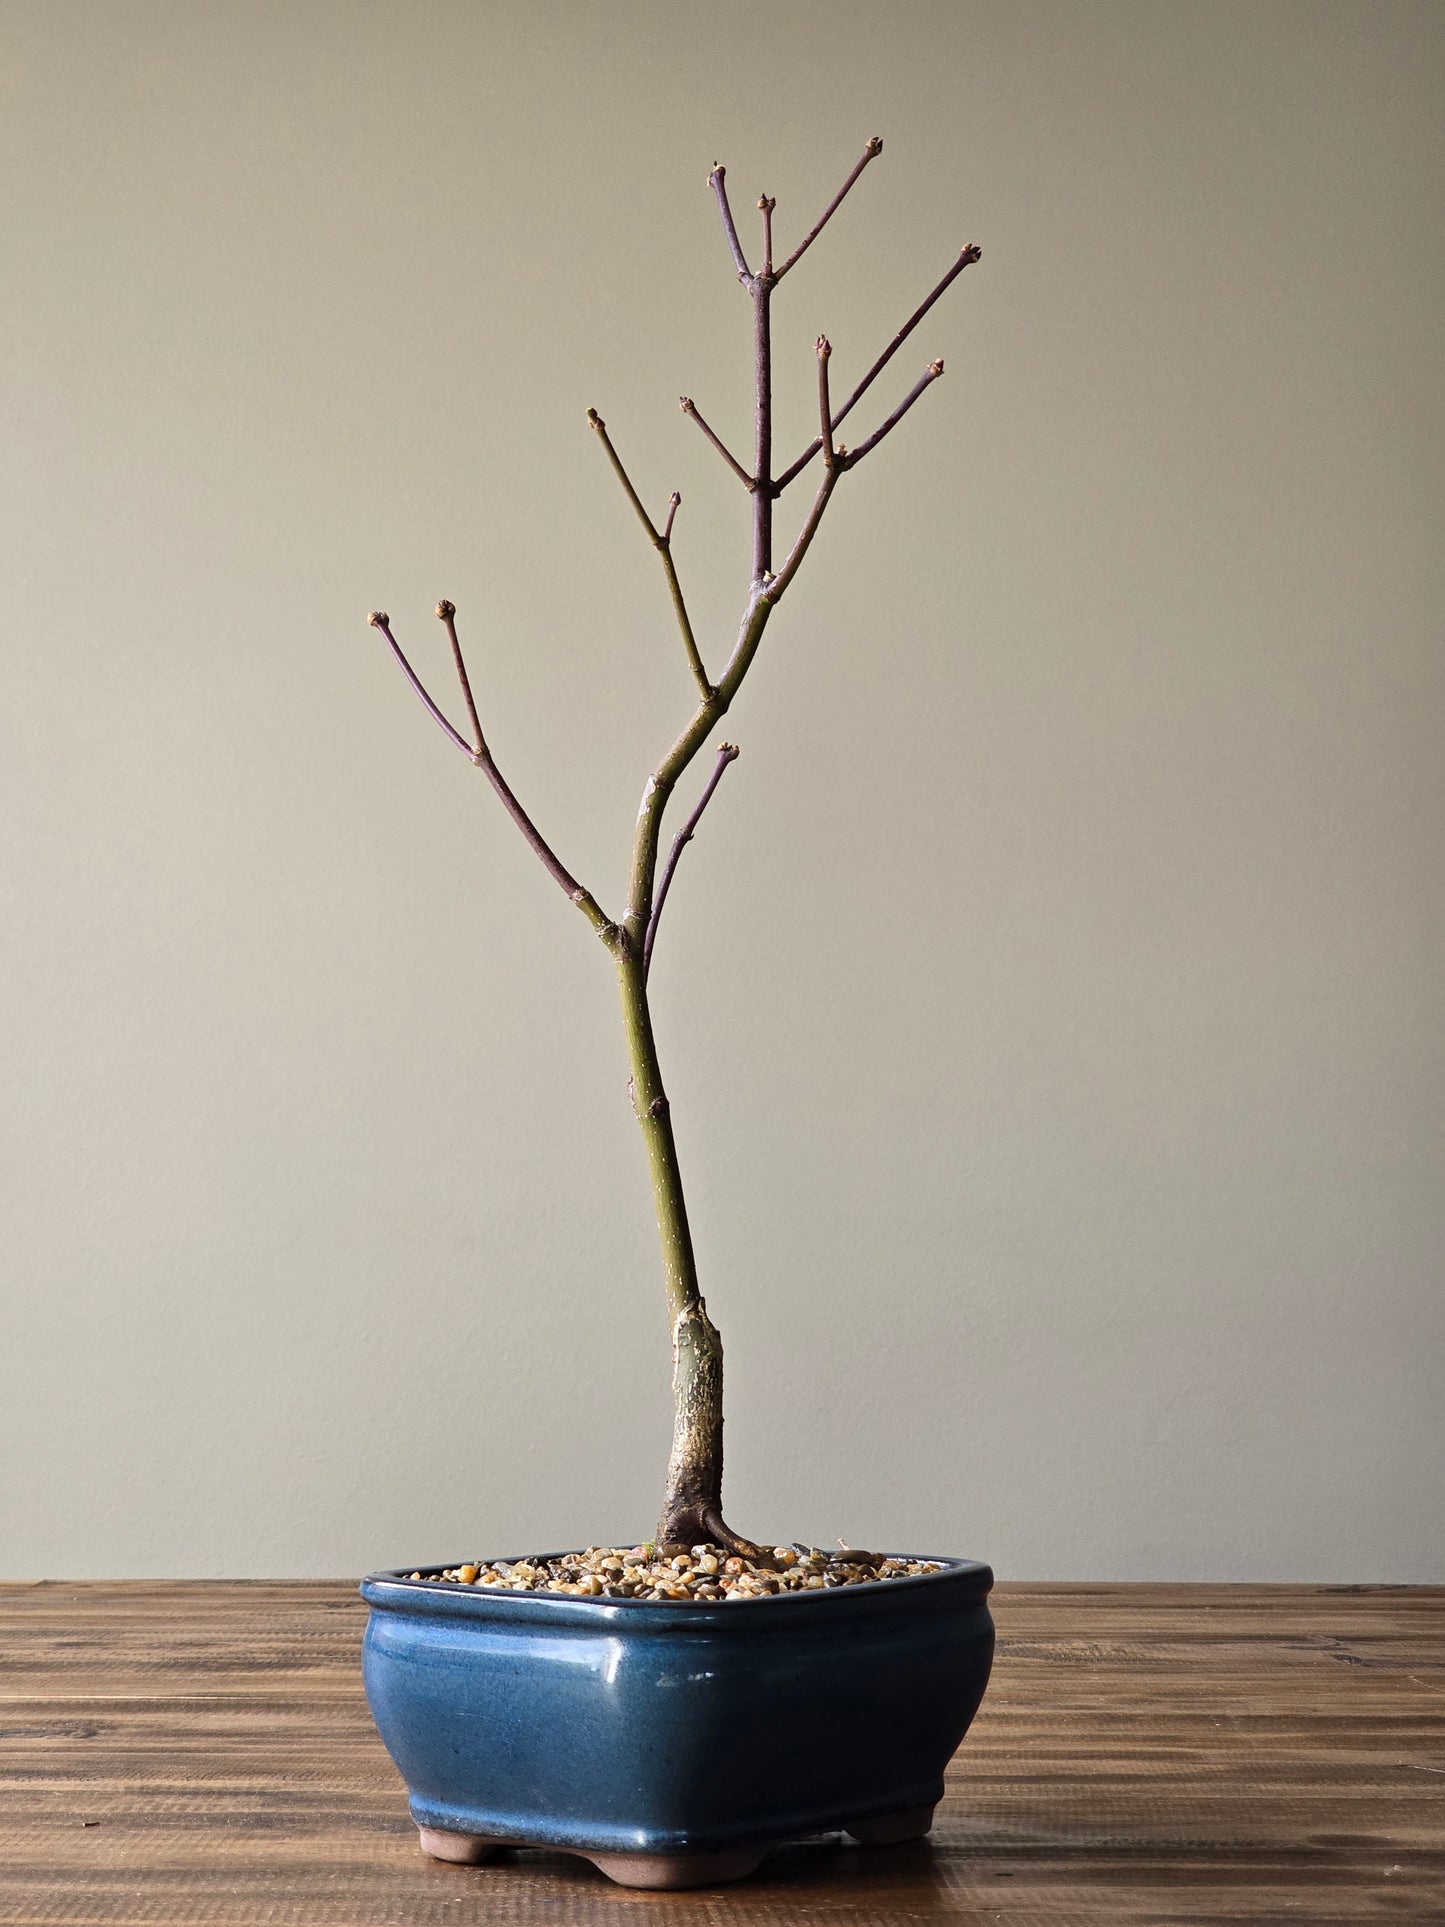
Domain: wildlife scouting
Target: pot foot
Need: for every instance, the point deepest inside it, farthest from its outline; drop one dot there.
(674, 1870)
(463, 1849)
(892, 1829)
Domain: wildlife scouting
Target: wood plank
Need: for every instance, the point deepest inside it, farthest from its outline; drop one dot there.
(200, 1752)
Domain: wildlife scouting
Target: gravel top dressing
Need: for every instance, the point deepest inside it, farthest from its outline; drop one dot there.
(704, 1572)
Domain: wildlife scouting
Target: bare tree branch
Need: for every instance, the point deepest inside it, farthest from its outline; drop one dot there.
(690, 407)
(715, 181)
(870, 152)
(825, 350)
(926, 380)
(684, 623)
(600, 426)
(379, 619)
(661, 540)
(727, 753)
(484, 760)
(969, 255)
(447, 613)
(766, 204)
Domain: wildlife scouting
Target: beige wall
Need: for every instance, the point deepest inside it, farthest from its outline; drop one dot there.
(1051, 1003)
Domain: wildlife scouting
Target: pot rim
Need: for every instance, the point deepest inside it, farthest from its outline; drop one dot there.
(961, 1581)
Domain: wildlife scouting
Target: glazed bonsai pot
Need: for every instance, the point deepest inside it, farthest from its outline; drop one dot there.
(674, 1744)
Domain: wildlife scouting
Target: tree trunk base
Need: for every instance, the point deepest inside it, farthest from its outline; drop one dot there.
(699, 1523)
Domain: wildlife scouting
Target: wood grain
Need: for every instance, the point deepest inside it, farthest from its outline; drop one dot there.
(201, 1752)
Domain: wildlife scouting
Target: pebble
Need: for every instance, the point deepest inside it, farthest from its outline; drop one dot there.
(703, 1574)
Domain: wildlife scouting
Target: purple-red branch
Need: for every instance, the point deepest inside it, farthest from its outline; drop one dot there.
(966, 259)
(447, 614)
(482, 757)
(715, 181)
(926, 380)
(870, 152)
(690, 408)
(727, 753)
(379, 619)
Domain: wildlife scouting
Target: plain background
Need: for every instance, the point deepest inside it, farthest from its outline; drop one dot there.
(1051, 1003)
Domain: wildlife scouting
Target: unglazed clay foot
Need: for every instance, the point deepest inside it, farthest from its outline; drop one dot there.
(675, 1870)
(892, 1829)
(466, 1849)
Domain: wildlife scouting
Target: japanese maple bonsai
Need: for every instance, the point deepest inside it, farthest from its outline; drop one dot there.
(692, 1501)
(566, 1700)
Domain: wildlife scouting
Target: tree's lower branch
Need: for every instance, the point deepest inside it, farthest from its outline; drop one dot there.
(583, 898)
(727, 753)
(477, 752)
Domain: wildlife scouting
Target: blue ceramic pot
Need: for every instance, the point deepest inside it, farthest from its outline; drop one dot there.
(674, 1744)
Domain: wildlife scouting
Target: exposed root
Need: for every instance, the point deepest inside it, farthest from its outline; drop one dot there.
(703, 1524)
(722, 1534)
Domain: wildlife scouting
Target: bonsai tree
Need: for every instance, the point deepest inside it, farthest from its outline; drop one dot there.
(692, 1500)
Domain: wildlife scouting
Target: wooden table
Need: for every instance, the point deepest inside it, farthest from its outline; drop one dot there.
(201, 1752)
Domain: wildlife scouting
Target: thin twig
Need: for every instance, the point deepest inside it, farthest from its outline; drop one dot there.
(740, 260)
(689, 407)
(870, 152)
(661, 540)
(926, 380)
(379, 619)
(727, 753)
(684, 623)
(447, 613)
(825, 350)
(969, 255)
(766, 204)
(606, 440)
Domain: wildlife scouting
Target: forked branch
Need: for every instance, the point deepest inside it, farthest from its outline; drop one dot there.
(477, 752)
(661, 540)
(966, 259)
(379, 619)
